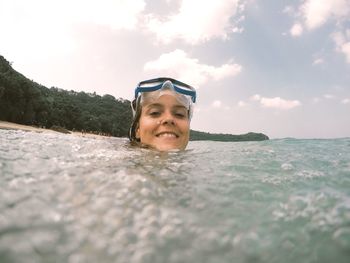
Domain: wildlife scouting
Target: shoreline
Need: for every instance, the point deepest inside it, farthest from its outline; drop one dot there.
(5, 125)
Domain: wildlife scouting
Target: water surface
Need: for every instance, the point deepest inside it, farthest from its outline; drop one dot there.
(74, 199)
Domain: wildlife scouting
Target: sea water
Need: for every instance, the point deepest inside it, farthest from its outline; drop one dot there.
(66, 198)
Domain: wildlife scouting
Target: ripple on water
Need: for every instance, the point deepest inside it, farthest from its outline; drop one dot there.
(342, 237)
(73, 199)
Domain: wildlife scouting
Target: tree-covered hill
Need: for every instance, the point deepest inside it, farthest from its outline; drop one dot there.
(26, 102)
(251, 136)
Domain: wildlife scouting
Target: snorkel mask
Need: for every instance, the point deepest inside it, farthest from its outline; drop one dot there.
(150, 90)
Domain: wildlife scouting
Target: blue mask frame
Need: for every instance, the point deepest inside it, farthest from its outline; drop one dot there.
(188, 90)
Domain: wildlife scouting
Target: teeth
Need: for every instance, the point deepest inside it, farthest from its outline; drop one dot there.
(167, 135)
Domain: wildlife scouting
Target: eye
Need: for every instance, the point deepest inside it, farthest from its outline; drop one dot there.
(154, 113)
(180, 115)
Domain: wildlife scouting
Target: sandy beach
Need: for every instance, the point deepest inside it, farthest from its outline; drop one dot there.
(14, 126)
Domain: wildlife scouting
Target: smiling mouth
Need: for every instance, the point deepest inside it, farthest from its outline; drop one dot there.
(167, 135)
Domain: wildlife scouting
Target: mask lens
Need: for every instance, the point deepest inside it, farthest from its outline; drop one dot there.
(183, 87)
(151, 84)
(164, 83)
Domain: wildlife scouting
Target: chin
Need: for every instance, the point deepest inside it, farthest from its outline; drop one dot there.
(169, 144)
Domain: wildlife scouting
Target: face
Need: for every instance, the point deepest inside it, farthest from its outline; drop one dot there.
(164, 124)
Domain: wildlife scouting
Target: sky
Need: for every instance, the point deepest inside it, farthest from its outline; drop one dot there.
(277, 67)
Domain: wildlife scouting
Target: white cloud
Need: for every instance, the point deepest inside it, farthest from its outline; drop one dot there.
(217, 104)
(29, 24)
(276, 103)
(118, 14)
(318, 61)
(345, 48)
(46, 27)
(241, 103)
(114, 13)
(296, 30)
(197, 21)
(279, 103)
(256, 97)
(318, 12)
(345, 101)
(342, 42)
(288, 10)
(179, 65)
(313, 14)
(328, 96)
(237, 29)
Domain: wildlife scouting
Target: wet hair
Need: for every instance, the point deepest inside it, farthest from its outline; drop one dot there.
(137, 109)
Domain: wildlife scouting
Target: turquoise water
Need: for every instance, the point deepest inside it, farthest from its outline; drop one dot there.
(66, 198)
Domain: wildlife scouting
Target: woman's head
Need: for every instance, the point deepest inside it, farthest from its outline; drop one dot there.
(162, 111)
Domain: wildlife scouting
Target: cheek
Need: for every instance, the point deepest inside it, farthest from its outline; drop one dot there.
(185, 127)
(146, 125)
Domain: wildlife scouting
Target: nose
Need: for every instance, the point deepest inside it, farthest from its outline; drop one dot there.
(168, 119)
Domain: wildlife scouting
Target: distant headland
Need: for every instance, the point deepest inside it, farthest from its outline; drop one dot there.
(26, 102)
